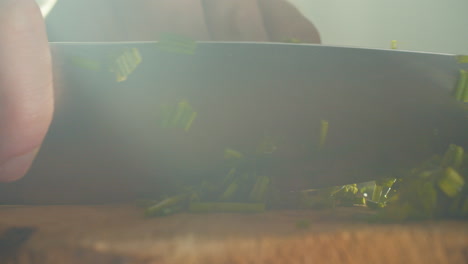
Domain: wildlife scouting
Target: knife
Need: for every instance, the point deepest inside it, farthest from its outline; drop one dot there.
(135, 118)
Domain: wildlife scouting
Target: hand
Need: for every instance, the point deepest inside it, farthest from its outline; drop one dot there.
(26, 93)
(204, 20)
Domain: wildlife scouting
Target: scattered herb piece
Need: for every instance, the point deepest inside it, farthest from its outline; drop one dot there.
(167, 206)
(461, 91)
(181, 116)
(258, 193)
(462, 58)
(433, 190)
(124, 63)
(450, 182)
(453, 157)
(86, 63)
(323, 133)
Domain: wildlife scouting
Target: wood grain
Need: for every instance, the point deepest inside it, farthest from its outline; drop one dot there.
(119, 234)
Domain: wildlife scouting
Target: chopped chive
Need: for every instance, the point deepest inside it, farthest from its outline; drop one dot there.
(190, 121)
(232, 154)
(85, 63)
(451, 182)
(162, 207)
(462, 58)
(137, 56)
(462, 86)
(323, 133)
(230, 191)
(125, 63)
(258, 193)
(179, 112)
(453, 157)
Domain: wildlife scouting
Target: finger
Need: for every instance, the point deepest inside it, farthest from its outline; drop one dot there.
(284, 21)
(26, 95)
(123, 20)
(239, 20)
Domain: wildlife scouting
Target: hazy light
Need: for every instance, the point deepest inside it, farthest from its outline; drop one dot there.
(46, 6)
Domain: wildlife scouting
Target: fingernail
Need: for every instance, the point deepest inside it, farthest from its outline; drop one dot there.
(17, 167)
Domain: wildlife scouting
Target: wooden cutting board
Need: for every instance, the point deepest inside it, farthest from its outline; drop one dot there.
(119, 234)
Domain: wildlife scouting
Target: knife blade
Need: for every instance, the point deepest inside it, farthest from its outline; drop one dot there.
(113, 138)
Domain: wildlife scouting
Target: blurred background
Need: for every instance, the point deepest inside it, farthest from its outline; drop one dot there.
(420, 25)
(417, 25)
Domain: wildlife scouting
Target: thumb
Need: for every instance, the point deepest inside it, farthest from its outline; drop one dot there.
(26, 94)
